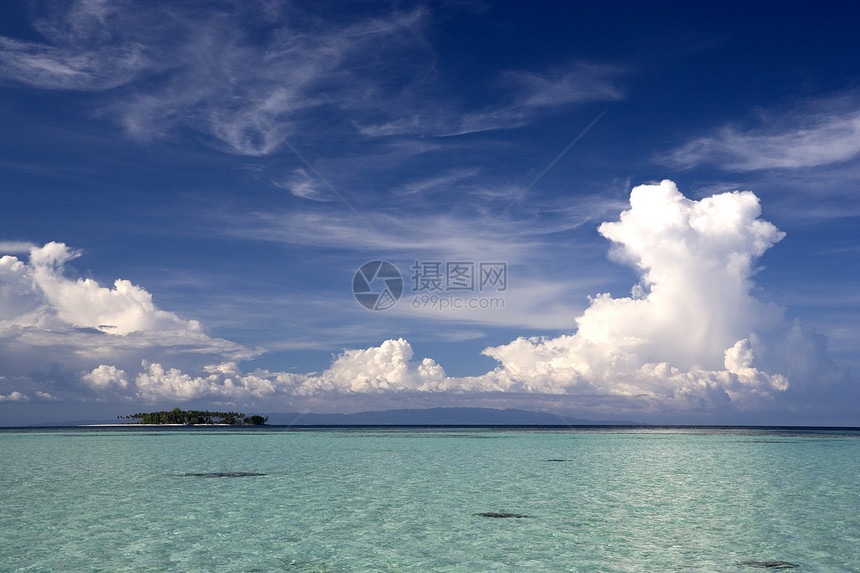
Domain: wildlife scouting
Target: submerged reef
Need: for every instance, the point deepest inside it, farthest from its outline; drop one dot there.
(501, 515)
(223, 474)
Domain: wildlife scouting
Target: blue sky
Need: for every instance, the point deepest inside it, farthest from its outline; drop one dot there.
(669, 189)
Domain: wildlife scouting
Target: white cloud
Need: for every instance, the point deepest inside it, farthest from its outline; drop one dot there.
(690, 338)
(386, 367)
(303, 185)
(690, 316)
(696, 260)
(201, 70)
(66, 22)
(249, 97)
(16, 296)
(248, 83)
(224, 381)
(445, 235)
(49, 299)
(820, 134)
(579, 83)
(439, 183)
(16, 247)
(155, 383)
(494, 233)
(535, 299)
(81, 69)
(528, 94)
(686, 340)
(14, 397)
(53, 327)
(105, 377)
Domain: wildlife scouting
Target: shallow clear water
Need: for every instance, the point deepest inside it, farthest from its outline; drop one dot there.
(649, 499)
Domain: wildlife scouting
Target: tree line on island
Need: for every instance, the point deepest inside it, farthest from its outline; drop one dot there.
(190, 417)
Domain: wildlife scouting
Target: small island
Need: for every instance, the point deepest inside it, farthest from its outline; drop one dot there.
(195, 417)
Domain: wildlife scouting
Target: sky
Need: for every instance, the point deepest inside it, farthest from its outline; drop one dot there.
(642, 211)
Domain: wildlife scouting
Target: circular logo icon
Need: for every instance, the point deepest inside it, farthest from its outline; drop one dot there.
(377, 285)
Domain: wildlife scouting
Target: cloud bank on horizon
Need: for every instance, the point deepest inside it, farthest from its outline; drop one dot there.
(691, 337)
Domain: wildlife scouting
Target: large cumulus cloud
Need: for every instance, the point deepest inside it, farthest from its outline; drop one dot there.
(689, 332)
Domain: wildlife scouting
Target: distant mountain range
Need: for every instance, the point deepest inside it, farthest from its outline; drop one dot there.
(438, 417)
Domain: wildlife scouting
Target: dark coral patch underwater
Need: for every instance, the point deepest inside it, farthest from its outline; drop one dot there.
(770, 564)
(501, 515)
(223, 474)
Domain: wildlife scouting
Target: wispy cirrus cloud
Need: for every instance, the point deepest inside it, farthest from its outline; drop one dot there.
(207, 70)
(439, 183)
(443, 235)
(249, 96)
(580, 82)
(452, 234)
(248, 79)
(522, 95)
(817, 134)
(80, 69)
(305, 185)
(87, 47)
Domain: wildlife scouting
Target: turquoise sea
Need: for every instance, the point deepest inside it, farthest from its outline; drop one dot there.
(410, 499)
